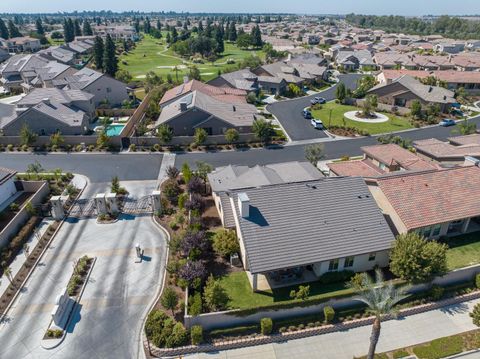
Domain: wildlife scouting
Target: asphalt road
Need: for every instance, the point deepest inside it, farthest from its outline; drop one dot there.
(97, 167)
(289, 113)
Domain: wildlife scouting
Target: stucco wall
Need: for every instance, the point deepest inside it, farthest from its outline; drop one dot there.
(107, 88)
(7, 190)
(360, 263)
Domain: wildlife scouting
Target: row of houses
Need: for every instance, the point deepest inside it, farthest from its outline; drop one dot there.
(55, 96)
(294, 224)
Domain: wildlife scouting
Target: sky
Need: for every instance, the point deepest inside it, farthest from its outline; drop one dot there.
(375, 7)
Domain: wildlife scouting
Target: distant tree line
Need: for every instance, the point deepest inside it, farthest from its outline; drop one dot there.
(447, 26)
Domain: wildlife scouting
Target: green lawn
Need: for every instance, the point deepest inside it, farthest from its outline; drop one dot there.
(464, 251)
(396, 123)
(151, 54)
(242, 297)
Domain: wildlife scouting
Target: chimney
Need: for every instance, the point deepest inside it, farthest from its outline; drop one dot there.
(183, 106)
(234, 108)
(244, 205)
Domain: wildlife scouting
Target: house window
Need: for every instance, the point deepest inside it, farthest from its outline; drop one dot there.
(426, 231)
(333, 265)
(349, 262)
(436, 230)
(372, 256)
(401, 102)
(109, 90)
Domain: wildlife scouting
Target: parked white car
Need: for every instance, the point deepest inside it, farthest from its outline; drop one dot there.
(318, 124)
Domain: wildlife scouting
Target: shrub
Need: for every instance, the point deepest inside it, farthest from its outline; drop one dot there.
(171, 190)
(14, 207)
(329, 313)
(334, 277)
(266, 326)
(475, 315)
(302, 293)
(132, 148)
(154, 326)
(182, 199)
(196, 334)
(54, 333)
(157, 147)
(477, 281)
(215, 296)
(196, 305)
(225, 243)
(282, 329)
(10, 147)
(400, 354)
(178, 337)
(436, 292)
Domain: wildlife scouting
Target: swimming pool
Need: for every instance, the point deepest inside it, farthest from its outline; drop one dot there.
(114, 130)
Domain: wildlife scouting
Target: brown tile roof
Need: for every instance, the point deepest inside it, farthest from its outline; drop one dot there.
(423, 199)
(224, 94)
(473, 139)
(450, 76)
(443, 150)
(393, 154)
(362, 168)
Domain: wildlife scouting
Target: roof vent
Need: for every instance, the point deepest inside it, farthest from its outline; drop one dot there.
(244, 204)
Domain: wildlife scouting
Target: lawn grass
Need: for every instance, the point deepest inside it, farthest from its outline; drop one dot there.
(464, 251)
(151, 54)
(242, 296)
(396, 123)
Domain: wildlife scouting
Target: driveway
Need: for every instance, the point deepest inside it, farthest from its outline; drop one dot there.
(109, 318)
(289, 112)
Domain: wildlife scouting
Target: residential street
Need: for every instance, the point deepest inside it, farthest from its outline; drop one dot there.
(289, 112)
(109, 319)
(395, 334)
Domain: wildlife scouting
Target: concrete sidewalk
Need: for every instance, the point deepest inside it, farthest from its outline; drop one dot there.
(407, 331)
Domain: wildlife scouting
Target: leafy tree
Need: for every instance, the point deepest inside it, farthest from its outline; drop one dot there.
(200, 136)
(27, 136)
(215, 296)
(115, 185)
(195, 244)
(13, 30)
(77, 30)
(172, 172)
(4, 30)
(225, 243)
(196, 334)
(110, 61)
(341, 92)
(263, 130)
(256, 37)
(381, 299)
(98, 50)
(35, 167)
(231, 136)
(293, 90)
(416, 109)
(417, 260)
(195, 185)
(220, 46)
(251, 61)
(193, 271)
(232, 34)
(186, 172)
(203, 169)
(103, 141)
(370, 105)
(363, 85)
(68, 30)
(244, 41)
(195, 203)
(123, 76)
(39, 26)
(195, 73)
(8, 273)
(87, 28)
(165, 134)
(314, 153)
(171, 190)
(266, 326)
(169, 299)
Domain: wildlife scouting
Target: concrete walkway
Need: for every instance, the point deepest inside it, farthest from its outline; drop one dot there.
(407, 331)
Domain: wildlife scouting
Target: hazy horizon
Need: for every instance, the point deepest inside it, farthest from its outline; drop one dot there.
(373, 7)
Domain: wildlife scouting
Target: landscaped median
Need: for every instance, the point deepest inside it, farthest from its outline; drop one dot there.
(332, 116)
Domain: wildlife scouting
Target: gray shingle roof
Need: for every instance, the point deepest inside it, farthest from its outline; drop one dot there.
(236, 177)
(59, 95)
(5, 174)
(303, 223)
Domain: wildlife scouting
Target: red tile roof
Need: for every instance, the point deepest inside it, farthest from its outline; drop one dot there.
(450, 76)
(390, 154)
(424, 199)
(362, 168)
(224, 94)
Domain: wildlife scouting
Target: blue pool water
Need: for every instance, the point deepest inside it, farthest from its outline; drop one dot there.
(114, 130)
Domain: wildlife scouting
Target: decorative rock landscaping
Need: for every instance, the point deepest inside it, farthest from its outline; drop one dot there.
(377, 118)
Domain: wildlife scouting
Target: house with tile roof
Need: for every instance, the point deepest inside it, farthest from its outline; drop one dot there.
(197, 109)
(379, 160)
(404, 90)
(296, 232)
(453, 152)
(432, 203)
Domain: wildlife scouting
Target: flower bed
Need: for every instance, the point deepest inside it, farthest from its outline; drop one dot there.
(80, 273)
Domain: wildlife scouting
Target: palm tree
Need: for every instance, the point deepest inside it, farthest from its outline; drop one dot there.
(8, 273)
(381, 299)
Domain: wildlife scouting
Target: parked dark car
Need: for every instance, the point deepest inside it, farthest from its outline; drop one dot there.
(307, 114)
